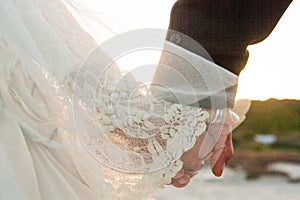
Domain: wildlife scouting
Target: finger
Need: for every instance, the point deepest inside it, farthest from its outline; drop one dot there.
(210, 138)
(179, 174)
(217, 162)
(193, 166)
(229, 148)
(190, 159)
(222, 151)
(181, 182)
(221, 157)
(195, 170)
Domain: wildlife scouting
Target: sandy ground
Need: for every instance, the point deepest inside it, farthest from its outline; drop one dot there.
(233, 185)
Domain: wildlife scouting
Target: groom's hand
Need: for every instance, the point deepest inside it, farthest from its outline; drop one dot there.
(191, 164)
(223, 152)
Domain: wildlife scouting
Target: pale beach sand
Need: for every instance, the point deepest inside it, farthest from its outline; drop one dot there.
(233, 186)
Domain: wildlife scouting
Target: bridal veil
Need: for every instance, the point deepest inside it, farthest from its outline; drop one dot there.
(75, 126)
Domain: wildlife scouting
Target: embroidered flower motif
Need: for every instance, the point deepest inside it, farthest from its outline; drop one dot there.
(172, 120)
(156, 131)
(154, 146)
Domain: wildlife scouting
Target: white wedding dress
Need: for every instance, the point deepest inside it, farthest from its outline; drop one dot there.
(58, 141)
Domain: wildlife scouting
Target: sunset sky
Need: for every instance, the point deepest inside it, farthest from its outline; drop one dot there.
(273, 68)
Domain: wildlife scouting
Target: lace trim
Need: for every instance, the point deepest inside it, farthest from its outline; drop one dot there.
(134, 133)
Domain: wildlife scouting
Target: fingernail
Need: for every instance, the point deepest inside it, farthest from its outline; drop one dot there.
(183, 180)
(219, 169)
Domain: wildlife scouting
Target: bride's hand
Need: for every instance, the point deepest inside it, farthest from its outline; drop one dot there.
(217, 142)
(191, 165)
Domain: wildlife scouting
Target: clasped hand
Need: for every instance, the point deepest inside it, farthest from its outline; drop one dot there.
(215, 144)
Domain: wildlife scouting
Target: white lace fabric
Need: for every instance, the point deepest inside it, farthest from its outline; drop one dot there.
(77, 139)
(144, 143)
(134, 132)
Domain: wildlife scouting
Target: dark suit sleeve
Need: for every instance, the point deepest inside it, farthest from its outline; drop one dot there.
(225, 28)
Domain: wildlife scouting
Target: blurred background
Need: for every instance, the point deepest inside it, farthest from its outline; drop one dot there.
(266, 164)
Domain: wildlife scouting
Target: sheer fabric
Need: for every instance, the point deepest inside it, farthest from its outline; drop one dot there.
(59, 143)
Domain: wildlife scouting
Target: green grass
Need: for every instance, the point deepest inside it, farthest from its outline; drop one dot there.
(277, 117)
